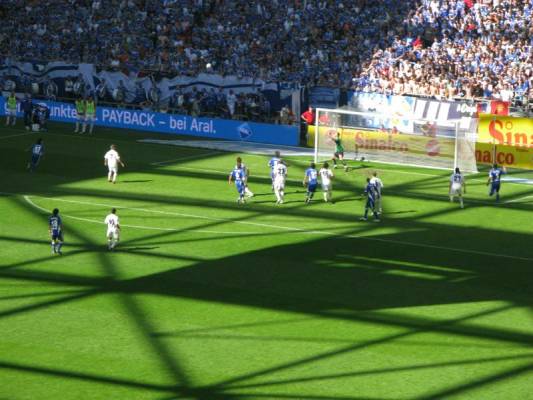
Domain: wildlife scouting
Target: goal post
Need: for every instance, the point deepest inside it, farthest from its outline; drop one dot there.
(395, 139)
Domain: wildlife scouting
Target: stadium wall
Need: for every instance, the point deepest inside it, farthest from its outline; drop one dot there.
(176, 124)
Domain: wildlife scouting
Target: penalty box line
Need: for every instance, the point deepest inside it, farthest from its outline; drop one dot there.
(280, 227)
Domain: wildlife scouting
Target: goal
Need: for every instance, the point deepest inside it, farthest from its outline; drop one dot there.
(396, 139)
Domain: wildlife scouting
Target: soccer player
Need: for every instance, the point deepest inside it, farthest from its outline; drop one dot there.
(27, 109)
(55, 229)
(90, 115)
(495, 175)
(113, 229)
(371, 195)
(80, 114)
(239, 176)
(272, 164)
(11, 112)
(37, 152)
(326, 176)
(246, 170)
(280, 175)
(457, 186)
(112, 160)
(379, 186)
(339, 150)
(310, 181)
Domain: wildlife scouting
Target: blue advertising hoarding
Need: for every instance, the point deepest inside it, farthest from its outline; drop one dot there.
(175, 124)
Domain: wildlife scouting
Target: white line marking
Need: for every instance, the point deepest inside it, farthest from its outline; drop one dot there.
(17, 135)
(27, 198)
(519, 200)
(211, 153)
(300, 230)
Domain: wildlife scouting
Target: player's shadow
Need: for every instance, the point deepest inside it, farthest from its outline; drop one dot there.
(137, 181)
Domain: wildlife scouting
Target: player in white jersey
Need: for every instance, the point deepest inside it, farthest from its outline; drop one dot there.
(113, 229)
(112, 160)
(326, 176)
(280, 176)
(240, 164)
(379, 186)
(457, 186)
(272, 164)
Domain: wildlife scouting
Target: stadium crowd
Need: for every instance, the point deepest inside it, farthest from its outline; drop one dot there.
(464, 48)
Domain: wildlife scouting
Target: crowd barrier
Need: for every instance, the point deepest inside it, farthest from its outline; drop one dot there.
(213, 128)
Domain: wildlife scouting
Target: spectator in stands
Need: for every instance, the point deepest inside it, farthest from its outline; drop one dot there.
(440, 48)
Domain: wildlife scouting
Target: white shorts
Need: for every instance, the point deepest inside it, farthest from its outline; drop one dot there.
(113, 169)
(456, 189)
(11, 113)
(326, 187)
(112, 233)
(279, 184)
(90, 117)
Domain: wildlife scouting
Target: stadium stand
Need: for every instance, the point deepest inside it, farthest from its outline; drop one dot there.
(441, 48)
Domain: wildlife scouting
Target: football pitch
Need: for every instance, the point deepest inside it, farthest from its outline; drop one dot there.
(208, 299)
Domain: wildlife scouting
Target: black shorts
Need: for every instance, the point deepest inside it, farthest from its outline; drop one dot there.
(338, 154)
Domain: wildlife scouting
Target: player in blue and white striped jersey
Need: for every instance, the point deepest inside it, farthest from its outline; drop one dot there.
(495, 175)
(239, 176)
(55, 229)
(457, 186)
(247, 190)
(371, 193)
(37, 152)
(311, 181)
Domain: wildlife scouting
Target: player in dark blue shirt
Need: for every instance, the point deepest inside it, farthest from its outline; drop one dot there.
(55, 228)
(27, 109)
(371, 192)
(495, 175)
(37, 152)
(311, 181)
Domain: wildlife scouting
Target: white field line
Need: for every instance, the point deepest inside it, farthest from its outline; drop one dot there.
(300, 230)
(27, 198)
(519, 199)
(19, 134)
(192, 157)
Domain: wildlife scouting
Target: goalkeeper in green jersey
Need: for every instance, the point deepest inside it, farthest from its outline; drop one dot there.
(339, 150)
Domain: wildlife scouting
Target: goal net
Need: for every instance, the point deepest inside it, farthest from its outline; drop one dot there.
(395, 139)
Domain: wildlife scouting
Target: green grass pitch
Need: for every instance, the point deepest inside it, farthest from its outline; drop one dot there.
(207, 299)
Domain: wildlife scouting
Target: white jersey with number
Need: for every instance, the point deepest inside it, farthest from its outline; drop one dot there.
(457, 182)
(325, 177)
(112, 224)
(377, 183)
(112, 158)
(280, 175)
